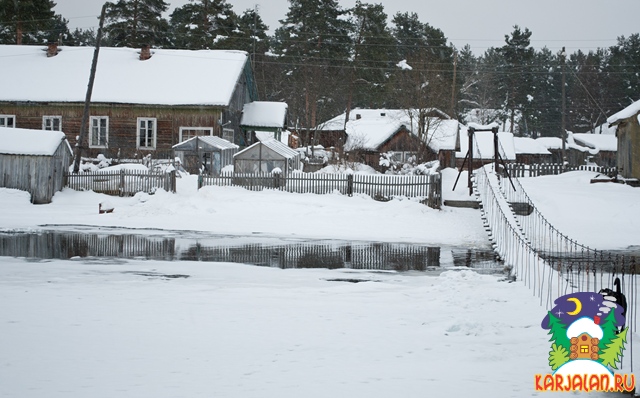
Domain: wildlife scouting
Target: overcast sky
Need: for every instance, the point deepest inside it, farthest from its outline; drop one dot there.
(583, 24)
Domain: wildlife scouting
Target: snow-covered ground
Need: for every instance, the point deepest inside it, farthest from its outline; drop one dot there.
(603, 215)
(236, 211)
(130, 328)
(85, 329)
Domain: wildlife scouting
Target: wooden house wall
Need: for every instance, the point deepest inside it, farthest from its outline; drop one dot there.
(447, 158)
(403, 140)
(41, 176)
(628, 156)
(245, 92)
(122, 123)
(332, 138)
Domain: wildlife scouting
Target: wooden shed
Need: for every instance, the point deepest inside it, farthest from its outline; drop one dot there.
(264, 156)
(628, 123)
(207, 153)
(34, 161)
(530, 151)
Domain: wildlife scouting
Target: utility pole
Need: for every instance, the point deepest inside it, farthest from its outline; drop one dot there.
(564, 105)
(82, 138)
(255, 34)
(453, 85)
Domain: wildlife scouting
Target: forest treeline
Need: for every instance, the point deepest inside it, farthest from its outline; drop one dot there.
(324, 60)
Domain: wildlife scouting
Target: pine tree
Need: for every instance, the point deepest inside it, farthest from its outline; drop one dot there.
(558, 356)
(612, 353)
(252, 34)
(373, 47)
(29, 22)
(515, 72)
(541, 110)
(82, 37)
(133, 23)
(203, 24)
(314, 46)
(558, 332)
(622, 72)
(586, 90)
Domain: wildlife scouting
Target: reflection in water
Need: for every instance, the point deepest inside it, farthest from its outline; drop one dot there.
(257, 251)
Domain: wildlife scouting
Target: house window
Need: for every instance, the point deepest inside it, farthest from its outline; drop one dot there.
(53, 123)
(7, 121)
(147, 133)
(190, 132)
(228, 135)
(99, 136)
(584, 349)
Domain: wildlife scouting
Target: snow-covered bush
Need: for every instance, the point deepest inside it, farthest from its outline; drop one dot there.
(408, 167)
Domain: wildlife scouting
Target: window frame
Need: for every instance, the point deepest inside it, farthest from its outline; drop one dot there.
(48, 117)
(6, 117)
(106, 136)
(225, 131)
(154, 132)
(183, 128)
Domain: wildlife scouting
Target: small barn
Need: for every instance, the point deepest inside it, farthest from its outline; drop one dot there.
(627, 122)
(207, 153)
(264, 117)
(34, 161)
(606, 146)
(265, 156)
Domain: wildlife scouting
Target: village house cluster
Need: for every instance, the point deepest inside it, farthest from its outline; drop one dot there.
(202, 107)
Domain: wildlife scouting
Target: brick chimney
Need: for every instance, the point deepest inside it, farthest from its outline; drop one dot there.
(52, 49)
(145, 52)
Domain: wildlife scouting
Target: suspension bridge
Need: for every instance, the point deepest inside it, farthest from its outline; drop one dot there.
(537, 253)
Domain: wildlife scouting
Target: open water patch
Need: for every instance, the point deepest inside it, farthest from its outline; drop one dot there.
(113, 245)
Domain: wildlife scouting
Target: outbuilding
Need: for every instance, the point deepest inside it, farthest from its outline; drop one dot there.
(34, 161)
(208, 154)
(265, 156)
(627, 122)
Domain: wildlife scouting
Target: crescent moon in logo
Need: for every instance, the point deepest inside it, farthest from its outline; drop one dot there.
(578, 306)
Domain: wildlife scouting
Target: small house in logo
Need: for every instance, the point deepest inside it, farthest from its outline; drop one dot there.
(588, 337)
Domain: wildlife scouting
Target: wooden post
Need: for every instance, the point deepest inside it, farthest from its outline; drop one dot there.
(122, 182)
(470, 169)
(496, 147)
(350, 184)
(82, 138)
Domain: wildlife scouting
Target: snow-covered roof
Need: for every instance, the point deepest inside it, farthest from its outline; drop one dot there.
(584, 325)
(550, 142)
(274, 145)
(14, 141)
(605, 128)
(270, 135)
(601, 142)
(626, 113)
(337, 123)
(483, 148)
(169, 77)
(443, 135)
(529, 146)
(370, 128)
(370, 133)
(209, 140)
(264, 114)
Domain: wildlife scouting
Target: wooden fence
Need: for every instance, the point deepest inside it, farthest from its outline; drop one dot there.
(121, 183)
(378, 186)
(543, 169)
